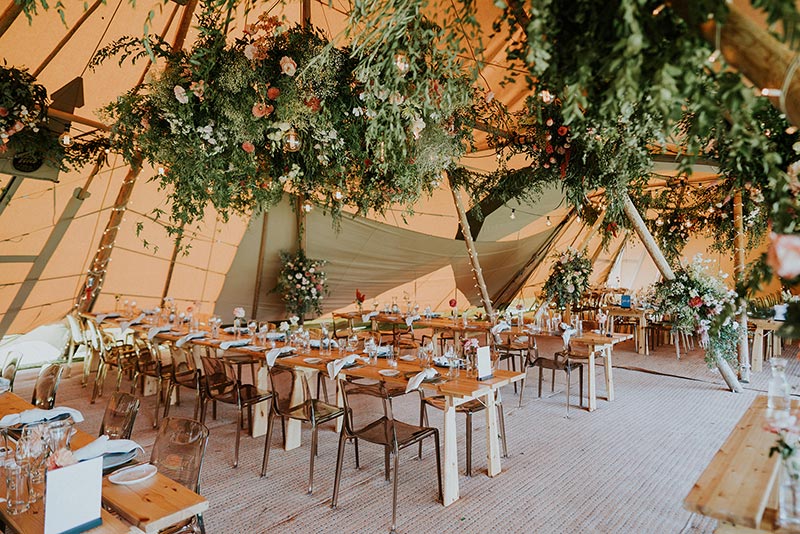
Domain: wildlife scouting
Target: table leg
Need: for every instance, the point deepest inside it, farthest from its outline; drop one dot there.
(339, 402)
(492, 440)
(150, 386)
(642, 327)
(261, 410)
(294, 428)
(591, 378)
(757, 358)
(609, 375)
(450, 467)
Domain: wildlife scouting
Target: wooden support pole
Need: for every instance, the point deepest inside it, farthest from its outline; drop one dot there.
(71, 117)
(171, 267)
(668, 274)
(588, 237)
(67, 37)
(185, 24)
(8, 192)
(739, 271)
(97, 269)
(473, 254)
(9, 15)
(260, 266)
(163, 35)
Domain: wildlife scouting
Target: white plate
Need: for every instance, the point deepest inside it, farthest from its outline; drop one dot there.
(389, 372)
(408, 358)
(115, 459)
(133, 475)
(312, 361)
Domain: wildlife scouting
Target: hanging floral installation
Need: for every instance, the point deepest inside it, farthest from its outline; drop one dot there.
(24, 131)
(282, 110)
(302, 283)
(569, 278)
(699, 303)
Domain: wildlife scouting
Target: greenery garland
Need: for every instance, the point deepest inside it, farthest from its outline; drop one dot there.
(569, 278)
(302, 283)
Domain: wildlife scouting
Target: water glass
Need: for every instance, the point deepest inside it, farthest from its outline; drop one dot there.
(59, 434)
(352, 343)
(18, 489)
(31, 453)
(391, 356)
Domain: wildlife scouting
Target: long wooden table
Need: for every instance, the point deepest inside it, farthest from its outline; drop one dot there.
(641, 328)
(148, 506)
(600, 343)
(739, 486)
(456, 392)
(763, 325)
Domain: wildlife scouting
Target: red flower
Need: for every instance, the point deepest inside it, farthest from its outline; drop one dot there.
(3, 112)
(314, 104)
(695, 302)
(360, 297)
(273, 93)
(453, 303)
(548, 148)
(248, 147)
(562, 130)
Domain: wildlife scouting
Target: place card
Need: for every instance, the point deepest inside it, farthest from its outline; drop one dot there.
(73, 497)
(483, 363)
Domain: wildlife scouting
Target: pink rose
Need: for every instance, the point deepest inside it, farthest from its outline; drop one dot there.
(248, 147)
(61, 458)
(288, 66)
(259, 110)
(783, 255)
(273, 93)
(250, 52)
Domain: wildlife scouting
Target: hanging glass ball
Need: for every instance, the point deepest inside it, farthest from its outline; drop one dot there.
(291, 140)
(402, 63)
(65, 139)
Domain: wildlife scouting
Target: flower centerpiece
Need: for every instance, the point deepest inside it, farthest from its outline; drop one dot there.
(699, 303)
(568, 279)
(302, 283)
(360, 298)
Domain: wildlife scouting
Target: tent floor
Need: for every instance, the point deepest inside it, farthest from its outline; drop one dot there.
(624, 468)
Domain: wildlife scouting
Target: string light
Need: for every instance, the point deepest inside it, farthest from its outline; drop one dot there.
(657, 11)
(65, 139)
(771, 92)
(513, 214)
(548, 222)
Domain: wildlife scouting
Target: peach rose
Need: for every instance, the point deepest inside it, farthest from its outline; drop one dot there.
(288, 66)
(273, 93)
(783, 255)
(248, 147)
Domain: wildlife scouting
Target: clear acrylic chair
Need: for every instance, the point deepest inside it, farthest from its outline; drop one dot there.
(94, 346)
(44, 391)
(113, 353)
(11, 366)
(178, 453)
(220, 384)
(148, 364)
(284, 380)
(370, 418)
(567, 361)
(77, 340)
(183, 373)
(120, 415)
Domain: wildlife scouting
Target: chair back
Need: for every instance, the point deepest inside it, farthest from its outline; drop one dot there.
(369, 411)
(284, 381)
(120, 415)
(218, 377)
(183, 364)
(11, 367)
(179, 450)
(44, 391)
(75, 330)
(93, 334)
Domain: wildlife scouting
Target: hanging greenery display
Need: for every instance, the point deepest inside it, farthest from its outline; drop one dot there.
(569, 278)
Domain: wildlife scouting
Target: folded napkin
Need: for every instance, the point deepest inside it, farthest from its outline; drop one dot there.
(35, 415)
(188, 337)
(417, 379)
(411, 318)
(502, 326)
(124, 325)
(103, 445)
(225, 345)
(315, 343)
(276, 335)
(441, 361)
(568, 333)
(254, 348)
(338, 364)
(382, 350)
(100, 317)
(154, 331)
(273, 354)
(365, 318)
(242, 330)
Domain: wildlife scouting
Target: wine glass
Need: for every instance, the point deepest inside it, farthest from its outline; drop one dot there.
(352, 343)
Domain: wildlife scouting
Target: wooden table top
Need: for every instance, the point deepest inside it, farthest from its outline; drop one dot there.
(150, 505)
(593, 338)
(766, 324)
(736, 485)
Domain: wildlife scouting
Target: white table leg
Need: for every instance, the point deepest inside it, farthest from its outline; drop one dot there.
(642, 327)
(492, 440)
(261, 410)
(150, 386)
(609, 374)
(591, 378)
(450, 467)
(757, 358)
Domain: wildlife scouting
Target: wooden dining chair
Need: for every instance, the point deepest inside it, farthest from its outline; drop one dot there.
(119, 416)
(363, 401)
(178, 453)
(220, 384)
(44, 391)
(284, 380)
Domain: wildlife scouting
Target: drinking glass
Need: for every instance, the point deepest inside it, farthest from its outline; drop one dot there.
(391, 357)
(59, 434)
(31, 453)
(18, 489)
(352, 343)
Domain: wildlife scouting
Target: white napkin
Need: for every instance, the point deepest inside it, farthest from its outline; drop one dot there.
(315, 343)
(124, 325)
(273, 354)
(35, 415)
(154, 331)
(100, 317)
(103, 445)
(225, 345)
(382, 350)
(416, 381)
(568, 333)
(188, 337)
(502, 326)
(367, 316)
(275, 335)
(336, 365)
(232, 330)
(411, 318)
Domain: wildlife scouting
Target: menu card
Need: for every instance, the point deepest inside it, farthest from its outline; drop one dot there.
(72, 498)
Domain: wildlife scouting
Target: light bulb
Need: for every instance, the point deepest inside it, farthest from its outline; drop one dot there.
(548, 223)
(402, 63)
(771, 92)
(291, 140)
(65, 139)
(513, 214)
(307, 207)
(338, 195)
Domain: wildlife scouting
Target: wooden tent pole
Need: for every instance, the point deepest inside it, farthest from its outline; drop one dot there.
(71, 117)
(668, 274)
(262, 247)
(473, 253)
(739, 271)
(67, 37)
(614, 260)
(9, 16)
(184, 25)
